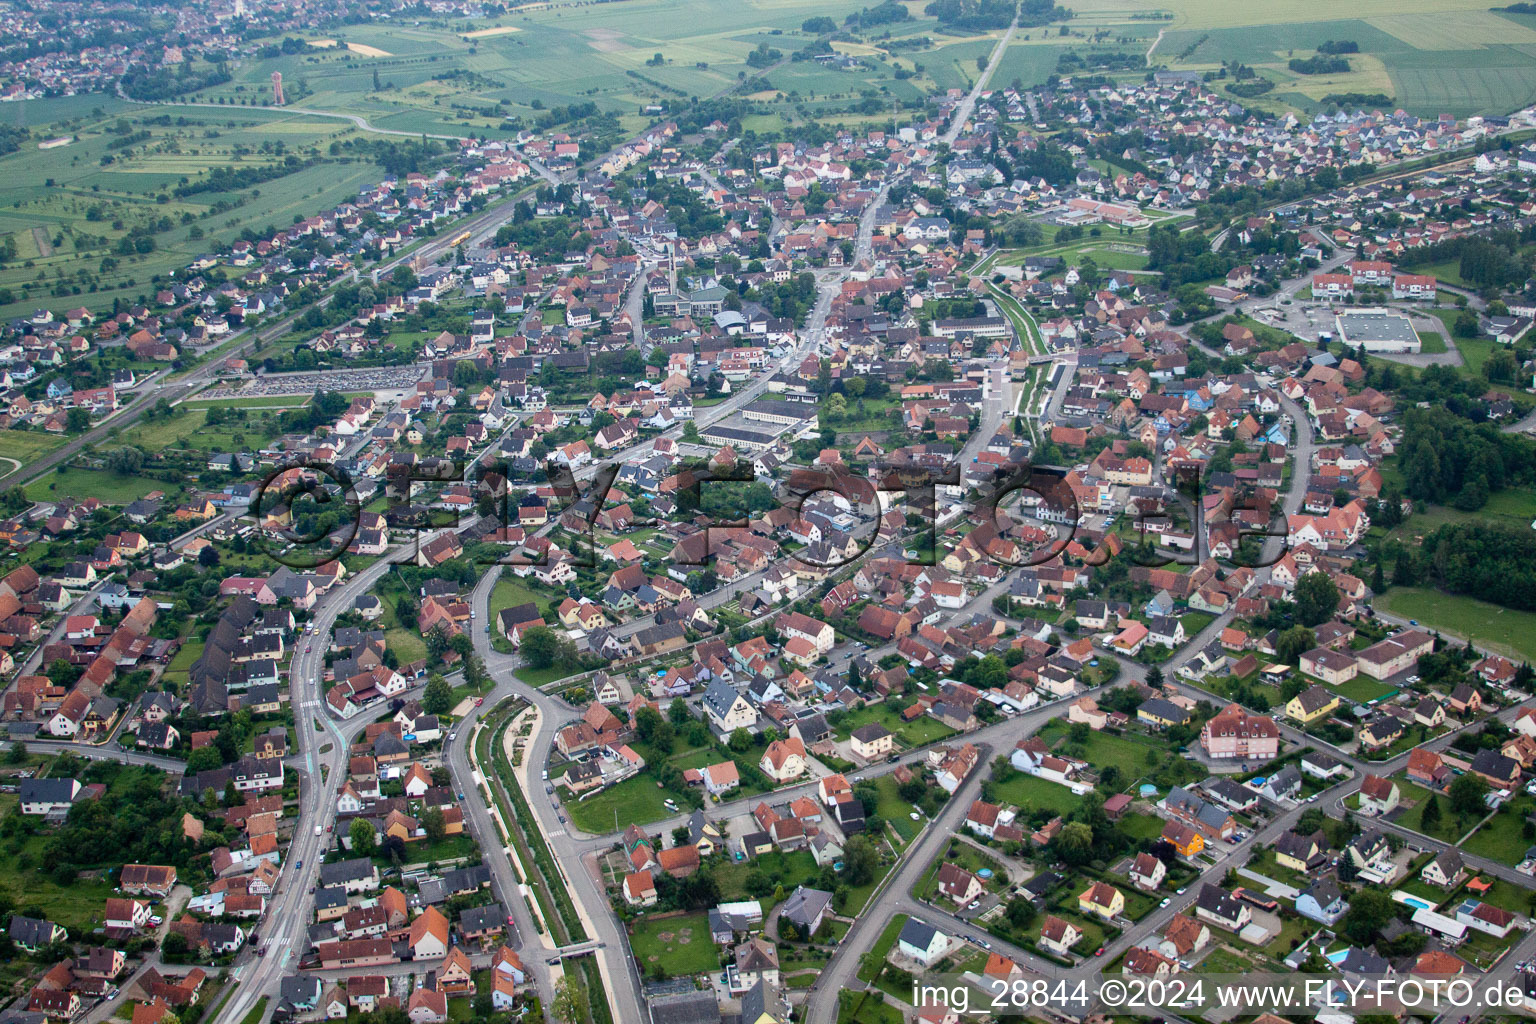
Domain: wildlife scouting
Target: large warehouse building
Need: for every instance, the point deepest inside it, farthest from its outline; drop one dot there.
(1378, 329)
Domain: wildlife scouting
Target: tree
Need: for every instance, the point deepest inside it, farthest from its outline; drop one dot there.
(1429, 820)
(1369, 912)
(77, 420)
(1466, 795)
(361, 836)
(570, 1003)
(740, 740)
(436, 641)
(1293, 643)
(204, 759)
(126, 461)
(654, 730)
(1020, 913)
(1154, 676)
(17, 754)
(1317, 599)
(437, 699)
(540, 647)
(860, 861)
(433, 824)
(208, 557)
(1075, 843)
(678, 713)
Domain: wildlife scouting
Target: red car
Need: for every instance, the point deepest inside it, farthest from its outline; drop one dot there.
(1099, 951)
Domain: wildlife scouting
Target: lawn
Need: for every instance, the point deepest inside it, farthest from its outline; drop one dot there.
(1504, 894)
(251, 402)
(257, 1012)
(1264, 863)
(1141, 826)
(510, 592)
(962, 855)
(1030, 793)
(895, 810)
(26, 445)
(1223, 961)
(1501, 838)
(191, 431)
(543, 676)
(1505, 630)
(1361, 689)
(872, 962)
(406, 643)
(783, 869)
(680, 945)
(1126, 752)
(25, 883)
(635, 801)
(915, 733)
(92, 483)
(1511, 506)
(865, 1008)
(1449, 830)
(189, 652)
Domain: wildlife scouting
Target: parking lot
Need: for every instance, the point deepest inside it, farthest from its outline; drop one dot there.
(381, 380)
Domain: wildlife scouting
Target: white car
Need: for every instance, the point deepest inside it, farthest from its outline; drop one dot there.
(544, 776)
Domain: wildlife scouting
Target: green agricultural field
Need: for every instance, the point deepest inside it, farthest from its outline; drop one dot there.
(1505, 630)
(1431, 57)
(118, 175)
(468, 78)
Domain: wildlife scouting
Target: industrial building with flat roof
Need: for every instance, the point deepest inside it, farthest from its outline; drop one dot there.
(1378, 329)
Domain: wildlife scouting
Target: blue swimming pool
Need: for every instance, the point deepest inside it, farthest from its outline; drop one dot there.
(1415, 902)
(1339, 957)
